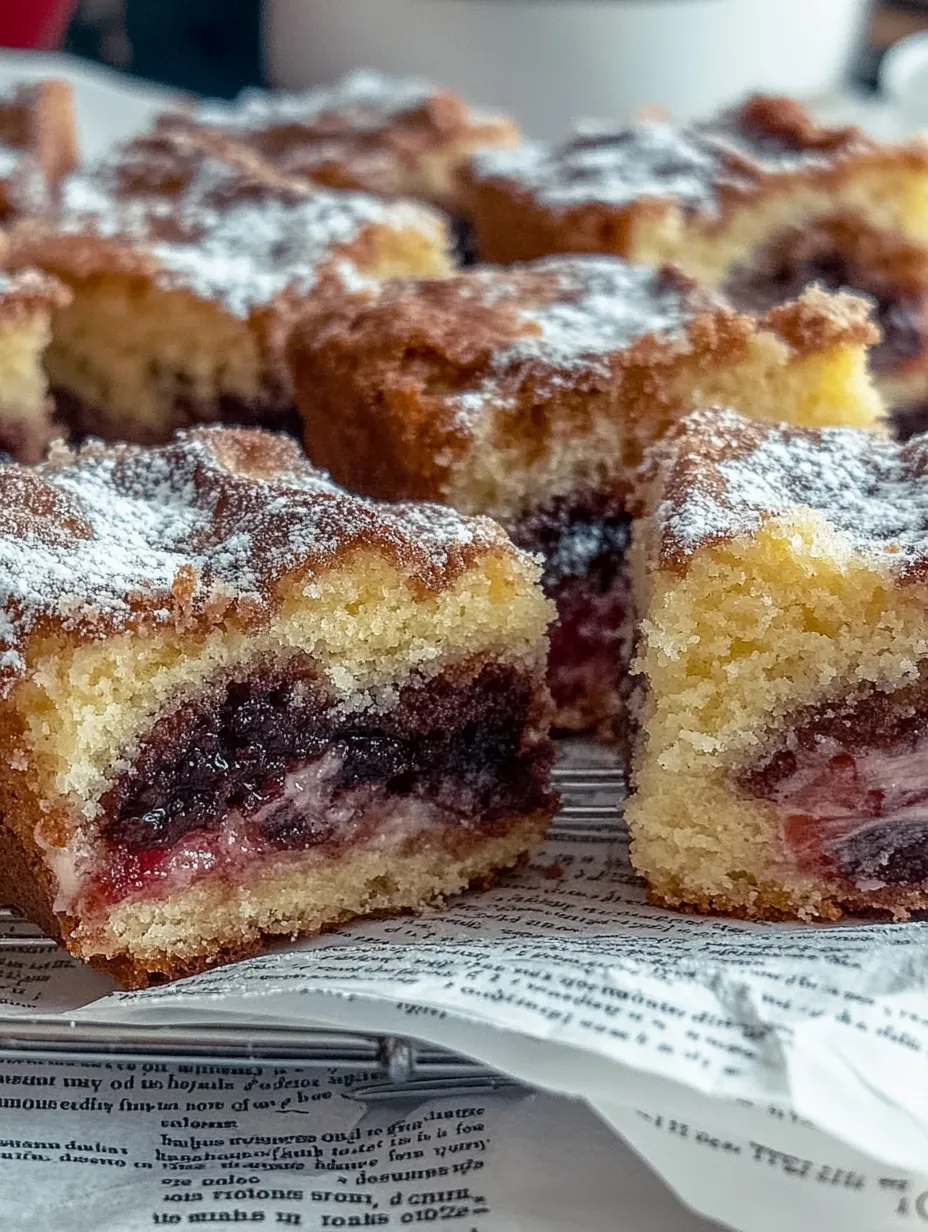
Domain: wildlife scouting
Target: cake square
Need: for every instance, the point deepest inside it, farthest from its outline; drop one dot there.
(782, 710)
(529, 393)
(393, 136)
(188, 261)
(38, 145)
(27, 300)
(237, 702)
(710, 196)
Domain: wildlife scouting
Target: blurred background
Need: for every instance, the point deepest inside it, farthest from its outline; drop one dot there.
(548, 61)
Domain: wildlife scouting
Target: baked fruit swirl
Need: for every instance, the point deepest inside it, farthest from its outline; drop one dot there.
(238, 703)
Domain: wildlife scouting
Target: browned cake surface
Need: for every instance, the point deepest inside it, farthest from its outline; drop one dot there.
(497, 388)
(188, 261)
(211, 221)
(729, 475)
(238, 702)
(655, 191)
(200, 536)
(780, 578)
(390, 136)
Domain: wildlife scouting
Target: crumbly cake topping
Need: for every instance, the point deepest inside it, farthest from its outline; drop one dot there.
(721, 476)
(223, 229)
(736, 153)
(595, 306)
(366, 131)
(360, 100)
(549, 321)
(363, 101)
(109, 538)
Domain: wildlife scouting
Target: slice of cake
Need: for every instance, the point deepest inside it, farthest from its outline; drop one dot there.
(529, 394)
(385, 135)
(892, 271)
(710, 197)
(27, 300)
(38, 146)
(780, 578)
(187, 265)
(238, 703)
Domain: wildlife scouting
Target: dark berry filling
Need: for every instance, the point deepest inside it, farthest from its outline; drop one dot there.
(472, 749)
(464, 241)
(852, 788)
(584, 539)
(911, 420)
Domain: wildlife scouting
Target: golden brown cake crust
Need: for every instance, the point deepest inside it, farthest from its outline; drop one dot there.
(188, 261)
(209, 219)
(721, 476)
(421, 371)
(366, 132)
(592, 193)
(771, 902)
(106, 539)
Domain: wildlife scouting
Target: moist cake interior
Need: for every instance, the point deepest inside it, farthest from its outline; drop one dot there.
(270, 765)
(782, 704)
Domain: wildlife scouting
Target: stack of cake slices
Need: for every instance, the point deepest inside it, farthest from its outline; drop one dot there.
(345, 531)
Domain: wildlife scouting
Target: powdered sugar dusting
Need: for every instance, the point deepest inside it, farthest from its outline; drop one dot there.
(593, 307)
(102, 539)
(364, 99)
(219, 231)
(649, 159)
(603, 305)
(874, 491)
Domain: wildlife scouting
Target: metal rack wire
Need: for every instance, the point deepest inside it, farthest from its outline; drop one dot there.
(397, 1066)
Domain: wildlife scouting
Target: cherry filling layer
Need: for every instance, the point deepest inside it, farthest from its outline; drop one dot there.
(584, 539)
(790, 263)
(271, 766)
(852, 789)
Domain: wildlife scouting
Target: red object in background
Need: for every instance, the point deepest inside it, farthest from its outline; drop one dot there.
(34, 23)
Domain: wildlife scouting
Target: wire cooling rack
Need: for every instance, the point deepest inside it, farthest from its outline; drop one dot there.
(589, 783)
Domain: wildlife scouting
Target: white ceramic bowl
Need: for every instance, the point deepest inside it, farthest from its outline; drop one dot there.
(550, 62)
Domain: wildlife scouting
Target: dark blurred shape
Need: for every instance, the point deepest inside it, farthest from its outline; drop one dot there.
(890, 21)
(208, 47)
